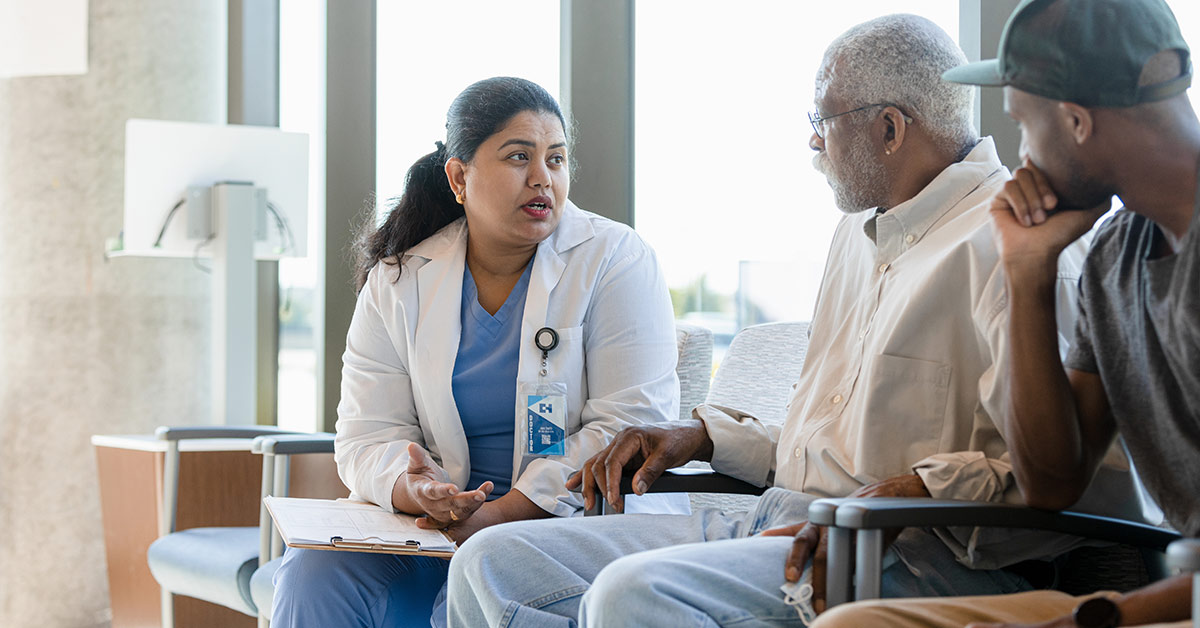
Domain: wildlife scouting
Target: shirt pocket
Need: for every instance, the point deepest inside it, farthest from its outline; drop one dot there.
(905, 412)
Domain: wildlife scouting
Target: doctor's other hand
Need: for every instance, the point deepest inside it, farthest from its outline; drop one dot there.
(1028, 228)
(424, 489)
(650, 449)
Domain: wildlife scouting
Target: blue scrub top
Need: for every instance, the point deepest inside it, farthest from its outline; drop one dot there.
(485, 381)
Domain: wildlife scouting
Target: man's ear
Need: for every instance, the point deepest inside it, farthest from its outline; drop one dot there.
(894, 128)
(456, 174)
(1078, 120)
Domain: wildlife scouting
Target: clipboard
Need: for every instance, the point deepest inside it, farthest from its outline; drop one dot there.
(351, 526)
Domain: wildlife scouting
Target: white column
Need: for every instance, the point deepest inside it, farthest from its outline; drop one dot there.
(88, 346)
(234, 305)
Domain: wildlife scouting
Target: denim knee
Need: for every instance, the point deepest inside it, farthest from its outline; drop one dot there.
(487, 552)
(626, 583)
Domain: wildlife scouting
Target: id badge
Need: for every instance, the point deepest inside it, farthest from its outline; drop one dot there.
(542, 413)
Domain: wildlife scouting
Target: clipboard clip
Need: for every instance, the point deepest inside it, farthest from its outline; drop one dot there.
(409, 545)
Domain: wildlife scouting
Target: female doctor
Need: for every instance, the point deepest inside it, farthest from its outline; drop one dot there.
(486, 300)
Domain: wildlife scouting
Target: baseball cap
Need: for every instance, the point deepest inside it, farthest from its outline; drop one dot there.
(1090, 52)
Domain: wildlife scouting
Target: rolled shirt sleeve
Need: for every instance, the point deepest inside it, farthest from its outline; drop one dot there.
(743, 446)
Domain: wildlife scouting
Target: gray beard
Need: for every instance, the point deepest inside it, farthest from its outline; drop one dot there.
(865, 183)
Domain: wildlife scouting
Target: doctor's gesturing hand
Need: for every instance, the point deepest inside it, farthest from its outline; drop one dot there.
(651, 449)
(424, 489)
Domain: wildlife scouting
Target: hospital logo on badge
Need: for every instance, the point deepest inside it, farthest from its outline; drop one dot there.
(546, 421)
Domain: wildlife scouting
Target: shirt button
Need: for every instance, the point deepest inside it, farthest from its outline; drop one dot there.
(862, 334)
(837, 399)
(883, 267)
(798, 452)
(910, 238)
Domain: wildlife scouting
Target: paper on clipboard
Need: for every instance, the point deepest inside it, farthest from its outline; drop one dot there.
(353, 526)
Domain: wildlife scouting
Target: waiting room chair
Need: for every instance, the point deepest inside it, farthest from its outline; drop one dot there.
(865, 519)
(746, 381)
(213, 564)
(695, 345)
(277, 462)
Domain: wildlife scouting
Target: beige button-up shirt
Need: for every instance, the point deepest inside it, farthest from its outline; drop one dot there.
(907, 341)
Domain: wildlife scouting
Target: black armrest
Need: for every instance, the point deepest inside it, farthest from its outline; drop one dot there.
(897, 512)
(287, 444)
(682, 480)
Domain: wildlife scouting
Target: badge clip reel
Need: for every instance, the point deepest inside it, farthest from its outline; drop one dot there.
(543, 405)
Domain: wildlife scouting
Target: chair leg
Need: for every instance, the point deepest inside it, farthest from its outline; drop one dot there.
(1196, 600)
(263, 622)
(168, 609)
(868, 564)
(837, 561)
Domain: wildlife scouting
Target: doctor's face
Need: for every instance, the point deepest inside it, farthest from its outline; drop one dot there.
(515, 187)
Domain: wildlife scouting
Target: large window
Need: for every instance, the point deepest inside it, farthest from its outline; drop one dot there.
(726, 192)
(428, 52)
(302, 109)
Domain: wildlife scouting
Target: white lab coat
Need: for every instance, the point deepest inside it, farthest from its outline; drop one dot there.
(593, 280)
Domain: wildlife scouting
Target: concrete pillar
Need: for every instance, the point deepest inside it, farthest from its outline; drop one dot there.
(597, 86)
(89, 346)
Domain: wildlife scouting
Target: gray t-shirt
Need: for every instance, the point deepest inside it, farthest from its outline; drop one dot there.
(1139, 329)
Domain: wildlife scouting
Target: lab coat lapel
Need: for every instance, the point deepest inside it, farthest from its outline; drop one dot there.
(439, 328)
(548, 267)
(547, 270)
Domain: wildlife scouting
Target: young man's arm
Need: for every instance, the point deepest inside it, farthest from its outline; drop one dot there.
(1058, 424)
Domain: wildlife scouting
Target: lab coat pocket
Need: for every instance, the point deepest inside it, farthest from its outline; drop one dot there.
(566, 364)
(906, 408)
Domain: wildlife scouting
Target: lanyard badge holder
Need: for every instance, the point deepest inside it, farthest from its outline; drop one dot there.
(542, 406)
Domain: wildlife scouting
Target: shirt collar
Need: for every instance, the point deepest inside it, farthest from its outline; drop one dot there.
(904, 225)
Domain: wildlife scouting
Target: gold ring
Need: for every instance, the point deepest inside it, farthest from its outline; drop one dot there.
(453, 517)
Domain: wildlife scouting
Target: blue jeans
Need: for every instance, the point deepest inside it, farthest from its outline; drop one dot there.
(704, 569)
(328, 588)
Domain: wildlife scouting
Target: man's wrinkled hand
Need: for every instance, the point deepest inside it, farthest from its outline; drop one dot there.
(908, 485)
(650, 449)
(809, 541)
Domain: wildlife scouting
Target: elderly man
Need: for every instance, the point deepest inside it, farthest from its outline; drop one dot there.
(896, 397)
(1098, 87)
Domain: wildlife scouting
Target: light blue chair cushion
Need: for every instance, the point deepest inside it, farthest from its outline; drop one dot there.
(262, 586)
(211, 564)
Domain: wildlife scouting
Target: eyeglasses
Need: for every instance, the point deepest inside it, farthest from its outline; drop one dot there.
(818, 121)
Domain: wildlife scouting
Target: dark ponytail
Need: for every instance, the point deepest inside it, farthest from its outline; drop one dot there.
(428, 204)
